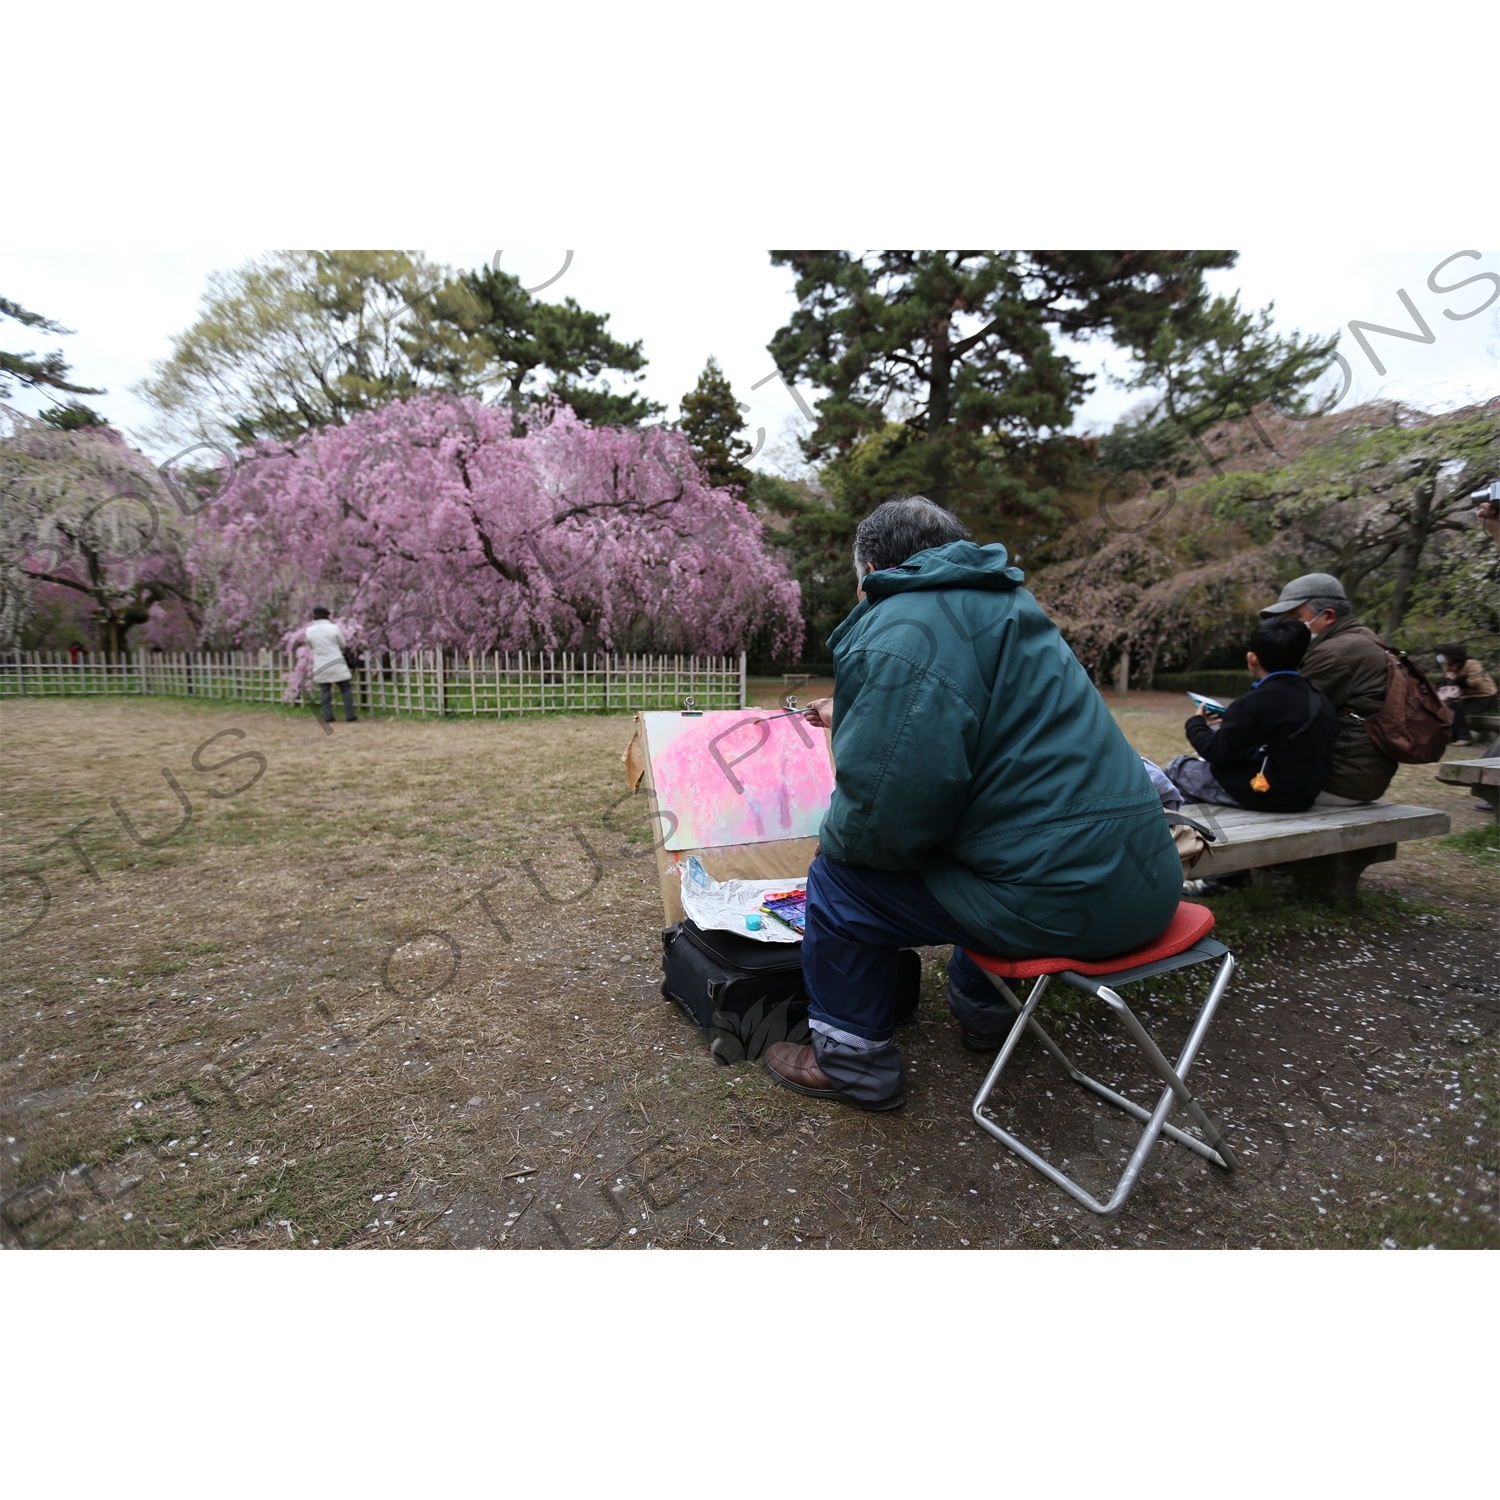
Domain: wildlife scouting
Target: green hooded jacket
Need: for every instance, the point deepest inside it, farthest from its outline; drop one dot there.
(971, 747)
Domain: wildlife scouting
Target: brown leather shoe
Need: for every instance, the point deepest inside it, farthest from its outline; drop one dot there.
(797, 1068)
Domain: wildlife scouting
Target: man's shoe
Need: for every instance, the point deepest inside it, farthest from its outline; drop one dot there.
(982, 1041)
(797, 1068)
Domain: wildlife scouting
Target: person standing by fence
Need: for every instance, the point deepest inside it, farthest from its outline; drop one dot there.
(328, 646)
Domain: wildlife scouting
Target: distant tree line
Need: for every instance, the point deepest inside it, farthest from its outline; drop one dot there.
(949, 373)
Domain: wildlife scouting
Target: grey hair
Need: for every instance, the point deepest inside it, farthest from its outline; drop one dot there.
(901, 528)
(1340, 607)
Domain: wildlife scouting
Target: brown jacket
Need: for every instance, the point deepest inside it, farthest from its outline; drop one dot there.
(1347, 664)
(1475, 681)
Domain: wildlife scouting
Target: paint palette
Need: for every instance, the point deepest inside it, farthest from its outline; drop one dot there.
(789, 907)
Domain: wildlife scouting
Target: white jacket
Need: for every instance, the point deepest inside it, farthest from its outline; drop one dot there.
(327, 643)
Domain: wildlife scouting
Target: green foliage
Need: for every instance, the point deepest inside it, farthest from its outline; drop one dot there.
(1455, 597)
(72, 417)
(50, 371)
(816, 536)
(1482, 843)
(1204, 367)
(301, 339)
(1383, 505)
(1378, 496)
(293, 341)
(514, 341)
(941, 367)
(710, 421)
(1144, 447)
(944, 377)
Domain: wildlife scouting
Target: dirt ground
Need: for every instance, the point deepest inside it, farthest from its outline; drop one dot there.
(398, 986)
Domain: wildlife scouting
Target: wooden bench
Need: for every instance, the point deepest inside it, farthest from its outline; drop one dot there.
(1482, 777)
(1325, 849)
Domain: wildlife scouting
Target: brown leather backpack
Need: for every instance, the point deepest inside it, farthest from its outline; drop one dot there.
(1413, 723)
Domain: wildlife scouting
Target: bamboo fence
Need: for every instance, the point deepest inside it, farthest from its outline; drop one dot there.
(426, 683)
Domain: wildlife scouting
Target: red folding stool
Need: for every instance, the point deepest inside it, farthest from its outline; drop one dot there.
(1184, 943)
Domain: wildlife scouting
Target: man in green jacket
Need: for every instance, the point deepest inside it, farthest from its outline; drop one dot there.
(984, 797)
(1347, 664)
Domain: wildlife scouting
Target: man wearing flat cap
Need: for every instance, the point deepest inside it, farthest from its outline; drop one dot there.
(1347, 664)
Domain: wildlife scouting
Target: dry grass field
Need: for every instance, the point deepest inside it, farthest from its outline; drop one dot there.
(397, 986)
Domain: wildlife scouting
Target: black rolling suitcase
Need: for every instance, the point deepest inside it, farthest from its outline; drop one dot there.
(745, 995)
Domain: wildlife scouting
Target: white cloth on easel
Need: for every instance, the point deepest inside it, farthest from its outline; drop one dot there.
(723, 905)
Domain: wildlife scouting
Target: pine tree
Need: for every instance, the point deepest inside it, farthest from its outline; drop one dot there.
(943, 368)
(72, 417)
(815, 536)
(50, 371)
(710, 419)
(1202, 370)
(533, 349)
(948, 373)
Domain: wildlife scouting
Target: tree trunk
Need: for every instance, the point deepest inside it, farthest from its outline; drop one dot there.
(939, 400)
(1419, 527)
(1122, 672)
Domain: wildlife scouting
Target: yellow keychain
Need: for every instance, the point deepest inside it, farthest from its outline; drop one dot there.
(1258, 782)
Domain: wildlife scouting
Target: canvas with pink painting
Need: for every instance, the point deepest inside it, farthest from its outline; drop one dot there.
(742, 776)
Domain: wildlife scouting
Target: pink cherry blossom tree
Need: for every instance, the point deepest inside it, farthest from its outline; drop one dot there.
(90, 543)
(433, 523)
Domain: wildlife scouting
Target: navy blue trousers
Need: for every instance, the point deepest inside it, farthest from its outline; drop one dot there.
(858, 919)
(346, 688)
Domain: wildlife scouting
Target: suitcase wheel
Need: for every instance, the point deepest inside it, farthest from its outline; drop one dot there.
(727, 1049)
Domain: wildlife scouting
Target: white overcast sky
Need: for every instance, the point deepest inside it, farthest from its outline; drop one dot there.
(689, 303)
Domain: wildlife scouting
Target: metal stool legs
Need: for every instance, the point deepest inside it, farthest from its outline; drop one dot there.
(1214, 1149)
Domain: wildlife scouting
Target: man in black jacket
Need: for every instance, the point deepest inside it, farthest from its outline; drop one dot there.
(1273, 749)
